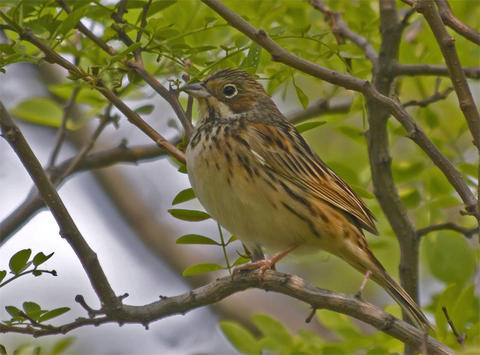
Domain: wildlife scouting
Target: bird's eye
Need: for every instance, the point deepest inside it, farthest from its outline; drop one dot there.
(230, 91)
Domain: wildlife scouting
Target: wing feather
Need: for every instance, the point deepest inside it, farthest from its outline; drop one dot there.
(297, 163)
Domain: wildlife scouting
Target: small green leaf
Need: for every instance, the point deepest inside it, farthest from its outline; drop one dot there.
(72, 19)
(30, 307)
(3, 273)
(53, 313)
(449, 257)
(250, 63)
(201, 269)
(3, 350)
(240, 337)
(189, 215)
(301, 96)
(241, 260)
(195, 239)
(13, 311)
(18, 262)
(362, 192)
(42, 111)
(273, 329)
(303, 127)
(184, 195)
(145, 109)
(61, 346)
(40, 258)
(232, 239)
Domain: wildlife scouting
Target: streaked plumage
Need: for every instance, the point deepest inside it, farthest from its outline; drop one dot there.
(256, 175)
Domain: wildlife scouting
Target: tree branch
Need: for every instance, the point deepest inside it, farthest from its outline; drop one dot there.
(320, 107)
(290, 285)
(339, 27)
(68, 229)
(447, 45)
(426, 69)
(455, 24)
(467, 232)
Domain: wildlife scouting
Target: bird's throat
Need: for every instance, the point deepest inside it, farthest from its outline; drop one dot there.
(210, 108)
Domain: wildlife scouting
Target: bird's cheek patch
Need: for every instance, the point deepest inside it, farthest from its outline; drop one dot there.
(242, 104)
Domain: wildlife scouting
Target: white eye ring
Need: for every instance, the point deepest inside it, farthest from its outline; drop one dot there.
(230, 91)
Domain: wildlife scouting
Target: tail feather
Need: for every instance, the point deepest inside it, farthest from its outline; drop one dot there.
(402, 298)
(363, 259)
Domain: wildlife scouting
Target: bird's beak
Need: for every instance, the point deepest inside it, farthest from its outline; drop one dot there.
(196, 90)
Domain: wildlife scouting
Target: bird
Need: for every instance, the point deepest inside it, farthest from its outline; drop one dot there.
(256, 175)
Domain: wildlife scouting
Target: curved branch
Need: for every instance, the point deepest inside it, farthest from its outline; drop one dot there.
(320, 107)
(467, 232)
(287, 284)
(455, 24)
(339, 27)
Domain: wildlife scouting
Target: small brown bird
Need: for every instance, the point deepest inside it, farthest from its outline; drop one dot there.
(256, 175)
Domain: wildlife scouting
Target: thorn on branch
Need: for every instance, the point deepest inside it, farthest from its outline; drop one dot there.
(460, 337)
(310, 316)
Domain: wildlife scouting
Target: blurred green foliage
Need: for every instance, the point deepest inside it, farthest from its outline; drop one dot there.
(186, 36)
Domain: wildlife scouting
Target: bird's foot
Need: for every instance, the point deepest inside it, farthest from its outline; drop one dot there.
(264, 264)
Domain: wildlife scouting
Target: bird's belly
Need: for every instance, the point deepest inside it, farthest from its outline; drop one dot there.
(243, 201)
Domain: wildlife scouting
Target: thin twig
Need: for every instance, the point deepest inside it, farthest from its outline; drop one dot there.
(454, 23)
(437, 96)
(341, 30)
(460, 337)
(429, 70)
(467, 232)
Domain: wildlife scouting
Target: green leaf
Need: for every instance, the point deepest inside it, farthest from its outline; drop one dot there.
(362, 192)
(462, 309)
(449, 257)
(276, 338)
(189, 215)
(301, 95)
(61, 345)
(40, 258)
(250, 63)
(201, 269)
(303, 127)
(30, 307)
(232, 239)
(184, 195)
(240, 337)
(3, 273)
(72, 19)
(13, 311)
(195, 239)
(18, 262)
(3, 350)
(240, 261)
(53, 313)
(145, 109)
(42, 111)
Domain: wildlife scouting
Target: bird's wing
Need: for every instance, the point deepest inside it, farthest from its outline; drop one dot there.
(285, 153)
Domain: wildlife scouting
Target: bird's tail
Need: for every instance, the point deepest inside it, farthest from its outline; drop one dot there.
(364, 261)
(402, 298)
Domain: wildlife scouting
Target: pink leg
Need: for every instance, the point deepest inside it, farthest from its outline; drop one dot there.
(362, 285)
(264, 264)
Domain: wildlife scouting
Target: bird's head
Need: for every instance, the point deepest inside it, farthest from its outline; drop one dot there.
(228, 93)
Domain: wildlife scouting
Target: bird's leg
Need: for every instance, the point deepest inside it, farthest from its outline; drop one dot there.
(263, 264)
(362, 285)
